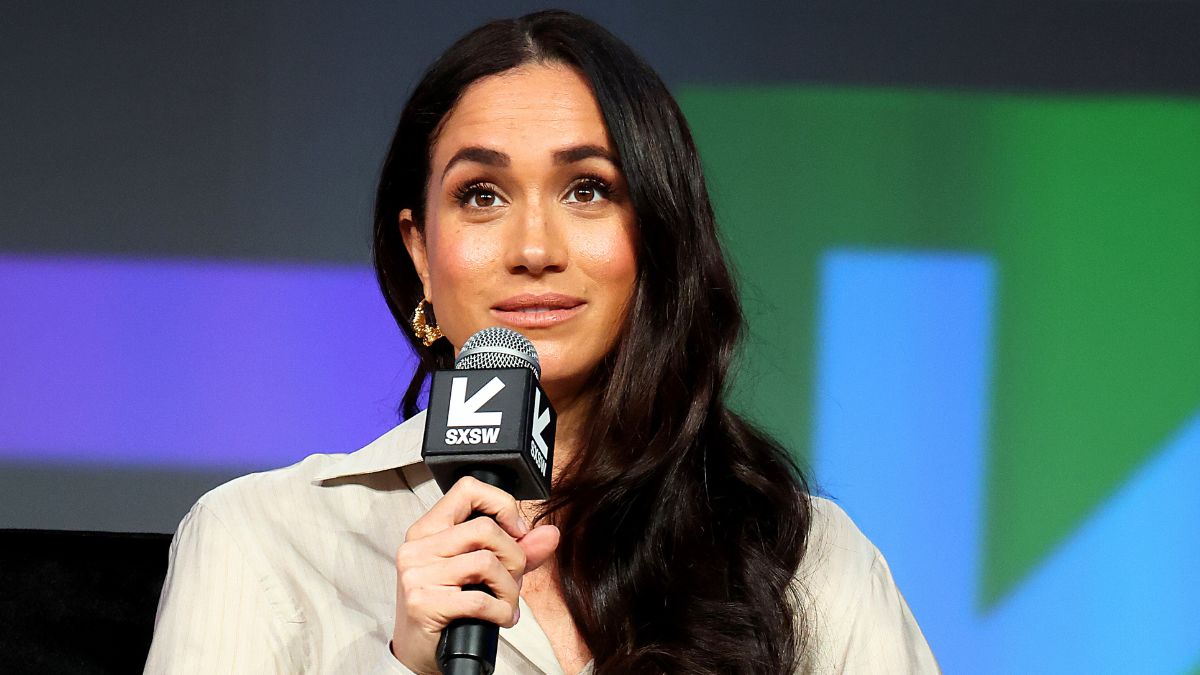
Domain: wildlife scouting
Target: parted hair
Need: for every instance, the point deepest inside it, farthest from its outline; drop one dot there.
(682, 524)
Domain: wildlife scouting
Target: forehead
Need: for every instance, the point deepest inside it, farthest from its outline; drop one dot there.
(532, 109)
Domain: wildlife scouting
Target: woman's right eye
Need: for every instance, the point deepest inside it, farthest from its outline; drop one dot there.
(481, 198)
(477, 196)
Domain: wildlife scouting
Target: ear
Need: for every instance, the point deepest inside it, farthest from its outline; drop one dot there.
(414, 241)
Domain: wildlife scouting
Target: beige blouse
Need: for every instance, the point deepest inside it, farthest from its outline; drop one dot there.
(292, 571)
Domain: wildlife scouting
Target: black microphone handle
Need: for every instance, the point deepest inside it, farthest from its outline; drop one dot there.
(468, 646)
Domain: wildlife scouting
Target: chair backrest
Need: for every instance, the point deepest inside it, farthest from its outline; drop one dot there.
(78, 602)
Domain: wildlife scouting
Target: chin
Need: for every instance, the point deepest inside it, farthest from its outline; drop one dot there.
(551, 356)
(561, 375)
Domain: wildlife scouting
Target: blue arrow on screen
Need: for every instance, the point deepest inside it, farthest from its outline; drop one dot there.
(900, 439)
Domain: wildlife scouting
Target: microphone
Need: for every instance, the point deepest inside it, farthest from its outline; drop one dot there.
(489, 419)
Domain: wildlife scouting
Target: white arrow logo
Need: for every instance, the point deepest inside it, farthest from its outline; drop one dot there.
(540, 422)
(464, 412)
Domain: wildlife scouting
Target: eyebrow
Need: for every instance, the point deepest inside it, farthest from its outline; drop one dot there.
(489, 157)
(474, 153)
(580, 153)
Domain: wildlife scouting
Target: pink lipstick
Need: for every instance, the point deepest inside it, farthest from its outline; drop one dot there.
(537, 310)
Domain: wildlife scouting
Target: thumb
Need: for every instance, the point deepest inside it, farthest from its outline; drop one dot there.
(538, 544)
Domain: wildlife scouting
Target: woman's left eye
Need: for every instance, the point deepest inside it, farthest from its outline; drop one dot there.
(587, 191)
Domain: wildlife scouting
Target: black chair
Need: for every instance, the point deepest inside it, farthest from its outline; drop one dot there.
(78, 602)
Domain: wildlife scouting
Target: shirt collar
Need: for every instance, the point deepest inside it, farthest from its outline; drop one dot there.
(396, 449)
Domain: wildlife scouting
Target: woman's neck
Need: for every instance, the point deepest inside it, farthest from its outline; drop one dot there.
(573, 407)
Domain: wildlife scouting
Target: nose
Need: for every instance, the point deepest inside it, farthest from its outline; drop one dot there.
(536, 243)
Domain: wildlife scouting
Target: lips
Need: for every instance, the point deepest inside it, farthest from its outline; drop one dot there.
(542, 310)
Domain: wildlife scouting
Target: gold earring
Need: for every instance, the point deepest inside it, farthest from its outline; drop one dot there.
(426, 332)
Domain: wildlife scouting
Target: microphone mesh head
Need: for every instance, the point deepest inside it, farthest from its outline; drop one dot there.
(498, 347)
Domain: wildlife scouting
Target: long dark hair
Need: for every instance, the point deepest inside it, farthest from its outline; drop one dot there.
(682, 524)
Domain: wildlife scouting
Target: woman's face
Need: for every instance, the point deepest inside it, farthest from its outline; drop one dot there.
(528, 223)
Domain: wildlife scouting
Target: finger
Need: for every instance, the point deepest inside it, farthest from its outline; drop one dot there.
(476, 534)
(481, 567)
(539, 545)
(476, 567)
(467, 496)
(438, 607)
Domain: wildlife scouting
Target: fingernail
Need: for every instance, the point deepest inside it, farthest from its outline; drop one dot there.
(522, 525)
(516, 615)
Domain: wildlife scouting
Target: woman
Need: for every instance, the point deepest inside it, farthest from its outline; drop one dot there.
(542, 178)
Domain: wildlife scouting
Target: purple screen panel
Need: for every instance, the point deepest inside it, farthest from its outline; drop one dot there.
(193, 363)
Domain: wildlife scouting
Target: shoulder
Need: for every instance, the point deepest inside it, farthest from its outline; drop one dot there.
(272, 551)
(836, 549)
(272, 525)
(838, 564)
(301, 512)
(320, 486)
(225, 554)
(277, 494)
(856, 617)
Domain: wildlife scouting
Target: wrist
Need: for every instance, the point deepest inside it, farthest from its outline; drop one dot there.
(409, 668)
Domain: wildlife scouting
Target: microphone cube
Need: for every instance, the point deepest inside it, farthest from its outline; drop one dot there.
(495, 419)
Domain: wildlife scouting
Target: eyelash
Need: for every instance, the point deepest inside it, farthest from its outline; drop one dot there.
(596, 183)
(463, 193)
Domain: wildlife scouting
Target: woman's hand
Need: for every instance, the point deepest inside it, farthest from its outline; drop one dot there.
(441, 553)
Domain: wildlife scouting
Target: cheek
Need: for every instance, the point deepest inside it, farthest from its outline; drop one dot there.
(610, 257)
(459, 269)
(455, 258)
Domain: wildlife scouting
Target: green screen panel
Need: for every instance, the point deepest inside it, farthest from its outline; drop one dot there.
(1090, 206)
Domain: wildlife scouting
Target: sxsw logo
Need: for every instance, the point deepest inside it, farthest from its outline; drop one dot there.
(538, 447)
(466, 425)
